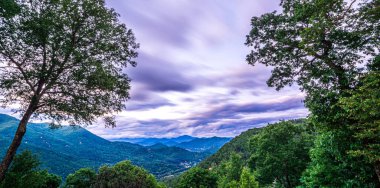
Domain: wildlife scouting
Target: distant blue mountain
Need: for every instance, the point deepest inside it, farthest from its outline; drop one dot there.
(152, 141)
(210, 145)
(189, 143)
(64, 150)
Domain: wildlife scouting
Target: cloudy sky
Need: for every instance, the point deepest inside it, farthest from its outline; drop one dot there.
(192, 77)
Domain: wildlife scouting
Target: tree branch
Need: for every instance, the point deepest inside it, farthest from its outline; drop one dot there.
(18, 65)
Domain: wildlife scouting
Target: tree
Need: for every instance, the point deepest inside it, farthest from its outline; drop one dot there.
(83, 178)
(63, 60)
(233, 167)
(280, 152)
(318, 45)
(363, 106)
(126, 175)
(322, 46)
(229, 172)
(332, 167)
(247, 179)
(197, 178)
(24, 172)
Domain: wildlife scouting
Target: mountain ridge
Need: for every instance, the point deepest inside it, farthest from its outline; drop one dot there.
(190, 143)
(66, 149)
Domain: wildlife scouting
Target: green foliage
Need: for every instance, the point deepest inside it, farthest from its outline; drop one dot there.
(223, 182)
(315, 43)
(331, 167)
(238, 145)
(67, 149)
(66, 59)
(122, 174)
(197, 178)
(323, 45)
(247, 179)
(280, 152)
(83, 178)
(63, 60)
(233, 174)
(24, 172)
(229, 172)
(8, 8)
(363, 106)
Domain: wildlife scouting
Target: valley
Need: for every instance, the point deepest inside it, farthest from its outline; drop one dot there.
(67, 149)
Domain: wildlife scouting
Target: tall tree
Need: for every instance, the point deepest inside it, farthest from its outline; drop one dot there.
(317, 44)
(63, 60)
(321, 45)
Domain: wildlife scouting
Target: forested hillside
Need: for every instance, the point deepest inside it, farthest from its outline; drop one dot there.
(238, 145)
(278, 153)
(67, 149)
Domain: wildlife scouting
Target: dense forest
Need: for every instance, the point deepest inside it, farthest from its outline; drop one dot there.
(62, 60)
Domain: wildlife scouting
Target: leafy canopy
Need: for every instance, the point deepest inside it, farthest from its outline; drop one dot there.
(363, 107)
(64, 59)
(124, 174)
(325, 46)
(197, 178)
(321, 45)
(280, 152)
(315, 43)
(24, 172)
(82, 178)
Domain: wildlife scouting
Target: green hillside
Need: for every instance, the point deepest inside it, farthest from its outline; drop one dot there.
(67, 149)
(239, 145)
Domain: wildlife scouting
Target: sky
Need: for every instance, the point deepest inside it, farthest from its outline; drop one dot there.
(192, 77)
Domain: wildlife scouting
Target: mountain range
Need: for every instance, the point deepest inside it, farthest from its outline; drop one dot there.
(66, 149)
(194, 144)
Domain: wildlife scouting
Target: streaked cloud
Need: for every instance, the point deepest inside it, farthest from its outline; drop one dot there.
(191, 76)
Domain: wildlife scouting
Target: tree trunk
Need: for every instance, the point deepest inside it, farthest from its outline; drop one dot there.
(21, 129)
(377, 169)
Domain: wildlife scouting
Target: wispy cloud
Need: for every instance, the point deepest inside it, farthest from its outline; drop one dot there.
(191, 76)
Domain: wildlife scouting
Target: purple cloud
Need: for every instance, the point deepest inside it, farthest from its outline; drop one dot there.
(192, 77)
(159, 75)
(232, 111)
